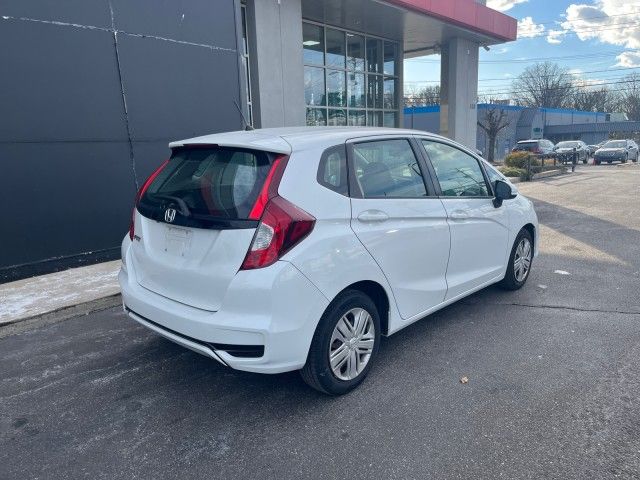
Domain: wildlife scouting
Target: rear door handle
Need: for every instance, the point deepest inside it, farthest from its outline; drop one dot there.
(459, 215)
(373, 216)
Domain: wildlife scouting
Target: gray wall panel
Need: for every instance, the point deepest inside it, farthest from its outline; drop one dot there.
(61, 83)
(199, 21)
(175, 91)
(83, 12)
(65, 142)
(67, 198)
(149, 156)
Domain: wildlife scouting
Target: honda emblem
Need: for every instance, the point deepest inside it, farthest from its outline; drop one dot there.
(170, 215)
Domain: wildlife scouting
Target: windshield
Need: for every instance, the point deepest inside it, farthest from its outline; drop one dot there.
(567, 144)
(207, 184)
(615, 144)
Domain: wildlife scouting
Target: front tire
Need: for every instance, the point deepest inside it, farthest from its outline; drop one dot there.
(344, 345)
(520, 262)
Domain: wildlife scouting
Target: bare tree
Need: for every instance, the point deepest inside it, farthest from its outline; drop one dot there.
(494, 120)
(591, 99)
(630, 96)
(429, 95)
(543, 85)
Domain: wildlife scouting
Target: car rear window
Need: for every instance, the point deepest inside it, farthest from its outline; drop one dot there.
(207, 186)
(526, 145)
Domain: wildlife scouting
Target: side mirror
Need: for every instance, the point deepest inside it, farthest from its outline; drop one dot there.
(503, 192)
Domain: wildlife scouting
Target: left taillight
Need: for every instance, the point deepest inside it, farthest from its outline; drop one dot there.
(143, 188)
(282, 226)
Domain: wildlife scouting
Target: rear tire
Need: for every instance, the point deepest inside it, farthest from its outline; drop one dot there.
(349, 309)
(522, 250)
(597, 162)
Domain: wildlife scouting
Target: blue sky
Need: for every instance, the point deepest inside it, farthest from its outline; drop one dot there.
(597, 40)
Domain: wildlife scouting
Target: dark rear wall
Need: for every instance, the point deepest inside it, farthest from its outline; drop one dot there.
(71, 157)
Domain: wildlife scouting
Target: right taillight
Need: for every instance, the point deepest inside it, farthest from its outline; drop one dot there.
(143, 188)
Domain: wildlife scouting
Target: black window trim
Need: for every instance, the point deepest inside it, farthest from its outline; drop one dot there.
(323, 158)
(354, 189)
(432, 170)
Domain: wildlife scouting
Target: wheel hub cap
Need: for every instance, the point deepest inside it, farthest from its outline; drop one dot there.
(351, 344)
(522, 259)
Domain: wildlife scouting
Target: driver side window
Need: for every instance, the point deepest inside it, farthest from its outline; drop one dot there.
(458, 173)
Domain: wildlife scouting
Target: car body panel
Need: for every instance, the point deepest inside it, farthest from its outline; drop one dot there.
(279, 306)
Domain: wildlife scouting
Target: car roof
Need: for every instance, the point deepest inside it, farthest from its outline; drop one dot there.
(286, 139)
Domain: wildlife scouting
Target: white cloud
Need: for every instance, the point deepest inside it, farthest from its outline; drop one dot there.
(629, 59)
(503, 5)
(555, 36)
(528, 28)
(616, 22)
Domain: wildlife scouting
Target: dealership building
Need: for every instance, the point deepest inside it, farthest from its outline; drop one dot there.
(94, 90)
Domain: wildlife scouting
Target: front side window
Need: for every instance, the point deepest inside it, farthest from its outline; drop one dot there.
(458, 173)
(388, 169)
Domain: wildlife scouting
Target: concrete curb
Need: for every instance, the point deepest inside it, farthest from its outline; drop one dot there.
(549, 173)
(20, 325)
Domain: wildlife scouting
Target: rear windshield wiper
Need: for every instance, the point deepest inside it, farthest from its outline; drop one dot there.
(182, 205)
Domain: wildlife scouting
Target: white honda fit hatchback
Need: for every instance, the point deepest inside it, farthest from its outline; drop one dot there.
(298, 248)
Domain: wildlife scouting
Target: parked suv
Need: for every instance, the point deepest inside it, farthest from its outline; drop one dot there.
(299, 248)
(565, 150)
(541, 147)
(617, 150)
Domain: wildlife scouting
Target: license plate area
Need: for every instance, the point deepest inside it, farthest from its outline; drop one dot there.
(177, 241)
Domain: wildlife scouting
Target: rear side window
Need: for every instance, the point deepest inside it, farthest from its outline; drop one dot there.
(207, 184)
(388, 169)
(332, 171)
(458, 173)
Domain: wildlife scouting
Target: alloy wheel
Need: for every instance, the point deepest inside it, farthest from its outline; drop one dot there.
(522, 260)
(351, 344)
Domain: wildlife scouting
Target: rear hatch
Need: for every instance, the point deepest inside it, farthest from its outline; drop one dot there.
(193, 227)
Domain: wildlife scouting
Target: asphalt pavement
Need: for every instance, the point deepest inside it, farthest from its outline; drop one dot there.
(553, 390)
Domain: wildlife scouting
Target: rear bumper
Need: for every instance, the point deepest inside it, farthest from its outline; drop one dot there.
(276, 308)
(609, 159)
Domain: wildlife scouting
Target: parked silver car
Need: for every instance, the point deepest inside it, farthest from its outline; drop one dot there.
(565, 151)
(617, 151)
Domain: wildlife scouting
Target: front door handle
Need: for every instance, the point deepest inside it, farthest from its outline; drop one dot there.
(373, 216)
(459, 215)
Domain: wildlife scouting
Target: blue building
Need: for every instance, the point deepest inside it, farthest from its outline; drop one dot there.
(555, 124)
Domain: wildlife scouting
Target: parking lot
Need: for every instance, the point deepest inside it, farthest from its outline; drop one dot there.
(553, 380)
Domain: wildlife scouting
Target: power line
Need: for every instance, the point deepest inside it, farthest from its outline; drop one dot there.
(502, 79)
(603, 84)
(520, 92)
(608, 54)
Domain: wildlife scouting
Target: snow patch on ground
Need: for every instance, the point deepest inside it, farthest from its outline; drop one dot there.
(47, 293)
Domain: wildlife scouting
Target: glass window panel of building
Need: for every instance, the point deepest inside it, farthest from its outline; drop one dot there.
(349, 78)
